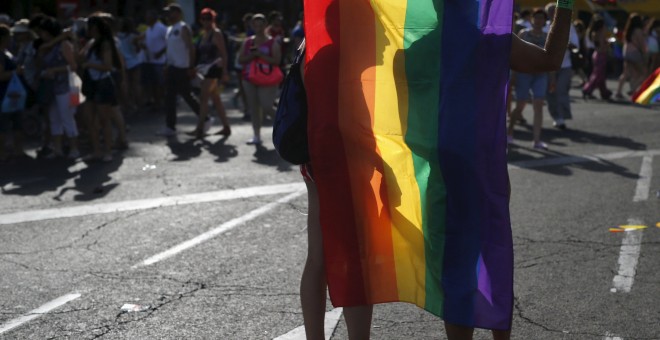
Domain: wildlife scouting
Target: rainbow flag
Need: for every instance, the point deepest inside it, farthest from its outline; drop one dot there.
(408, 152)
(649, 91)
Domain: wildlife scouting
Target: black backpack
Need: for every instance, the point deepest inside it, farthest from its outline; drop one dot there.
(290, 127)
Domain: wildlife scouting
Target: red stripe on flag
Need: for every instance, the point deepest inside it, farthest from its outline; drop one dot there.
(328, 158)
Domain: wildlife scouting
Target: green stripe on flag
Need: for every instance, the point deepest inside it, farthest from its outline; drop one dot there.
(422, 61)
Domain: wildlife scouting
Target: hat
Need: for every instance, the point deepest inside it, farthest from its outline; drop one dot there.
(259, 16)
(21, 26)
(173, 7)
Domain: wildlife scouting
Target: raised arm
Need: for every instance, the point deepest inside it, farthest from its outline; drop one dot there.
(528, 58)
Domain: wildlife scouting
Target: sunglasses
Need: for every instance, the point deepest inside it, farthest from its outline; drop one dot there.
(207, 18)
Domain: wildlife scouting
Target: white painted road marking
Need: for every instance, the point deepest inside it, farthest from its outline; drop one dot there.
(581, 159)
(11, 324)
(610, 336)
(149, 203)
(631, 246)
(331, 319)
(218, 230)
(644, 181)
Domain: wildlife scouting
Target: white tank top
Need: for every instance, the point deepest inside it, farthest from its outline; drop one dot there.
(177, 53)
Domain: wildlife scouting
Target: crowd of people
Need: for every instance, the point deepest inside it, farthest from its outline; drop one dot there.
(592, 54)
(82, 78)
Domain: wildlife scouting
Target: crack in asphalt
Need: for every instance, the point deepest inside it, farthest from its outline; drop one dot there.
(72, 244)
(119, 319)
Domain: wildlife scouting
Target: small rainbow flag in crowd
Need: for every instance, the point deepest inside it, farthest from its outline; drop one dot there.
(649, 91)
(408, 152)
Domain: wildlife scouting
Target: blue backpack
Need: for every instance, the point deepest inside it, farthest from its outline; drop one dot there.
(290, 126)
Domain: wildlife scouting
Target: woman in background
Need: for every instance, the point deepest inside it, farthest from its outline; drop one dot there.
(212, 58)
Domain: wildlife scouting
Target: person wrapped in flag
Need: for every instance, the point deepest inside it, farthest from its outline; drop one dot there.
(408, 184)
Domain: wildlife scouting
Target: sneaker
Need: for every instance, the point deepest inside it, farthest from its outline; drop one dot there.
(107, 158)
(74, 154)
(540, 146)
(254, 141)
(509, 139)
(166, 132)
(559, 124)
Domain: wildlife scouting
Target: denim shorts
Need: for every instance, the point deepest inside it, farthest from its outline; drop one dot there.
(537, 83)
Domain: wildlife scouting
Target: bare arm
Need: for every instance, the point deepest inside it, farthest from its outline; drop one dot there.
(243, 57)
(187, 40)
(528, 58)
(219, 42)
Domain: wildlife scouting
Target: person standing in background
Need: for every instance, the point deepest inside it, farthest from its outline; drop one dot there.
(154, 46)
(559, 100)
(56, 64)
(260, 98)
(634, 55)
(653, 28)
(133, 58)
(179, 71)
(10, 122)
(537, 83)
(597, 79)
(212, 56)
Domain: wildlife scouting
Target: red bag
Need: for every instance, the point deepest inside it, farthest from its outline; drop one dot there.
(261, 73)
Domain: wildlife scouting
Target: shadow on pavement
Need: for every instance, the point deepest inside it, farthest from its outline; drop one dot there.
(91, 181)
(555, 137)
(223, 152)
(271, 158)
(32, 177)
(184, 151)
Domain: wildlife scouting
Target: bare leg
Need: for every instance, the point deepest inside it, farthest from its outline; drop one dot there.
(456, 332)
(219, 107)
(622, 80)
(313, 284)
(501, 335)
(92, 121)
(203, 106)
(105, 116)
(358, 321)
(118, 120)
(516, 114)
(538, 119)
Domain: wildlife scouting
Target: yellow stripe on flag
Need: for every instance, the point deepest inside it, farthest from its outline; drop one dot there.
(390, 122)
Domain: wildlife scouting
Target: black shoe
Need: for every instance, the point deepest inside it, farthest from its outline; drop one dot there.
(587, 96)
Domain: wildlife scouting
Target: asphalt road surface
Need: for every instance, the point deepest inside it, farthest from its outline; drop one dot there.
(183, 239)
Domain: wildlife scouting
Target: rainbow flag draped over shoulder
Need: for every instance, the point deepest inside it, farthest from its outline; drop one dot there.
(408, 152)
(649, 91)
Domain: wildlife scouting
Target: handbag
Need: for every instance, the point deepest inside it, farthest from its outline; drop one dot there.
(75, 90)
(15, 96)
(290, 126)
(262, 73)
